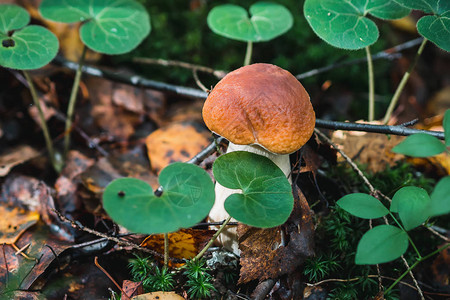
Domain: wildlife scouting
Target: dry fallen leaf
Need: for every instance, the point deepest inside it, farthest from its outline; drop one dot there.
(158, 296)
(16, 156)
(14, 222)
(185, 243)
(131, 288)
(176, 142)
(263, 256)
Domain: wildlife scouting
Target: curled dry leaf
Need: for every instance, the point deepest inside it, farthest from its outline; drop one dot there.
(16, 156)
(264, 255)
(176, 142)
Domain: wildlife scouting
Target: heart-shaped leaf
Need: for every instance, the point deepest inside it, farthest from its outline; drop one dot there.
(187, 198)
(266, 199)
(24, 48)
(412, 204)
(267, 21)
(344, 24)
(420, 145)
(363, 206)
(110, 26)
(381, 244)
(435, 27)
(440, 197)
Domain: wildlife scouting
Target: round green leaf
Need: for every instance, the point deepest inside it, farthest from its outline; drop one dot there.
(110, 26)
(420, 145)
(341, 23)
(381, 244)
(363, 206)
(268, 20)
(446, 125)
(440, 197)
(29, 48)
(12, 17)
(187, 198)
(266, 199)
(412, 204)
(436, 29)
(428, 6)
(386, 9)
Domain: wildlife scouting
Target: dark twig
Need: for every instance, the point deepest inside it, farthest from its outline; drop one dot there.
(110, 278)
(390, 53)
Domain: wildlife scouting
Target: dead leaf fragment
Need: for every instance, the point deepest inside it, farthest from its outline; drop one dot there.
(176, 142)
(14, 222)
(158, 296)
(16, 156)
(185, 243)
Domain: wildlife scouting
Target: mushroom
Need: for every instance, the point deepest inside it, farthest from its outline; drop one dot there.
(259, 108)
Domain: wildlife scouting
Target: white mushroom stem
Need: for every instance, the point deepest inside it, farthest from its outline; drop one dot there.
(228, 238)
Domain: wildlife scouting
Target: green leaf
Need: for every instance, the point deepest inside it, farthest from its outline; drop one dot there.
(420, 145)
(109, 26)
(30, 48)
(381, 244)
(266, 199)
(187, 198)
(268, 20)
(12, 17)
(386, 9)
(412, 204)
(446, 125)
(440, 198)
(363, 206)
(435, 27)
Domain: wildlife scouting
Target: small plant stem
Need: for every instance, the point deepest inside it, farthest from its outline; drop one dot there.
(371, 85)
(213, 238)
(166, 250)
(248, 53)
(48, 140)
(409, 238)
(402, 83)
(109, 276)
(72, 101)
(414, 265)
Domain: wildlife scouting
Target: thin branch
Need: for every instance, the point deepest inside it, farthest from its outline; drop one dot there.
(219, 74)
(390, 53)
(198, 82)
(110, 278)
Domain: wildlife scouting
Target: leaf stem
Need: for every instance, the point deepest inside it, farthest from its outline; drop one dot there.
(248, 53)
(48, 140)
(213, 238)
(72, 101)
(402, 83)
(414, 265)
(371, 85)
(409, 238)
(166, 250)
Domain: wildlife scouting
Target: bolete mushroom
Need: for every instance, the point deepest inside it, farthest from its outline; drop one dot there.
(259, 108)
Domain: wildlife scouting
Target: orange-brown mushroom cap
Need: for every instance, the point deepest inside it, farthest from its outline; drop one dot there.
(261, 104)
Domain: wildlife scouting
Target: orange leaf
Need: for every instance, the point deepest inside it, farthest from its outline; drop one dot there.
(14, 222)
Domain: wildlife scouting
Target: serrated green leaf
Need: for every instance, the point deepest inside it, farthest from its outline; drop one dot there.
(32, 47)
(363, 206)
(12, 17)
(412, 205)
(387, 9)
(381, 244)
(110, 26)
(266, 199)
(440, 198)
(446, 125)
(187, 198)
(420, 145)
(267, 21)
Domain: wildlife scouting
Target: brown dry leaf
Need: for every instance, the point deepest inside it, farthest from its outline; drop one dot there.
(371, 149)
(158, 296)
(263, 257)
(131, 288)
(116, 121)
(185, 111)
(176, 142)
(312, 159)
(16, 156)
(314, 292)
(185, 243)
(14, 222)
(441, 268)
(439, 103)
